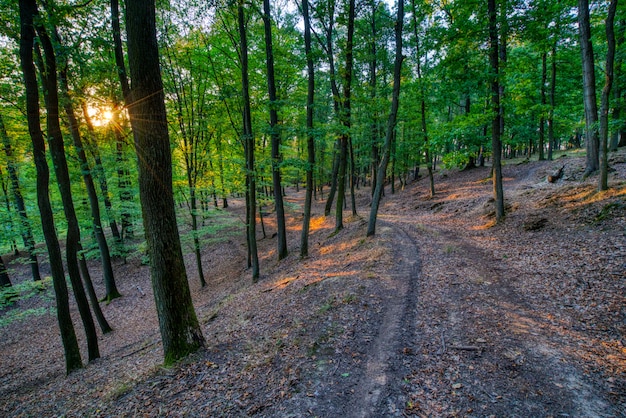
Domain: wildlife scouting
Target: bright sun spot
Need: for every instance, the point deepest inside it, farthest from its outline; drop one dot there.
(98, 116)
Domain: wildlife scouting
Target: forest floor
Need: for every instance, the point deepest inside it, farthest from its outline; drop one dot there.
(442, 313)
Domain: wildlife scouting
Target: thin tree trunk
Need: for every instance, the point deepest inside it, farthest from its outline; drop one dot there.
(275, 134)
(57, 152)
(28, 11)
(552, 95)
(98, 170)
(105, 257)
(26, 230)
(496, 144)
(345, 119)
(93, 299)
(589, 89)
(123, 174)
(606, 94)
(391, 123)
(248, 140)
(542, 119)
(306, 222)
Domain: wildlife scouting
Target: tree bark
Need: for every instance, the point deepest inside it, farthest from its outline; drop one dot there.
(589, 89)
(345, 119)
(105, 256)
(496, 144)
(310, 139)
(180, 331)
(48, 75)
(248, 141)
(5, 281)
(28, 10)
(26, 230)
(606, 94)
(391, 123)
(275, 134)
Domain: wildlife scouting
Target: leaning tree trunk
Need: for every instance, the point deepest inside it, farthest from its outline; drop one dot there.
(180, 331)
(496, 143)
(57, 152)
(26, 230)
(606, 93)
(310, 140)
(103, 246)
(391, 122)
(275, 135)
(28, 10)
(589, 89)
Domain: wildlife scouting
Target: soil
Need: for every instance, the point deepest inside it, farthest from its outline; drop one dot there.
(442, 313)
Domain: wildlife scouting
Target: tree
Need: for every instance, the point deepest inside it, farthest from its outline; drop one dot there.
(248, 144)
(26, 229)
(606, 92)
(180, 331)
(589, 88)
(391, 123)
(275, 134)
(48, 74)
(105, 257)
(496, 144)
(28, 11)
(345, 119)
(310, 139)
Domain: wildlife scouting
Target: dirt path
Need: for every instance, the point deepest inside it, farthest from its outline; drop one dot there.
(375, 392)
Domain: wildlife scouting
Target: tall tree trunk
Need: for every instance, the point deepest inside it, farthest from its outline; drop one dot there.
(310, 139)
(180, 331)
(275, 134)
(91, 293)
(28, 10)
(617, 91)
(374, 127)
(57, 152)
(496, 144)
(123, 174)
(103, 246)
(248, 140)
(427, 157)
(589, 89)
(345, 119)
(26, 230)
(552, 95)
(606, 94)
(391, 123)
(542, 119)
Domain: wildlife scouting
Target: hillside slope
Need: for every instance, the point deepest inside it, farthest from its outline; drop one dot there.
(442, 313)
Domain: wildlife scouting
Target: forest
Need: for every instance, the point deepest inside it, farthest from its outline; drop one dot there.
(310, 207)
